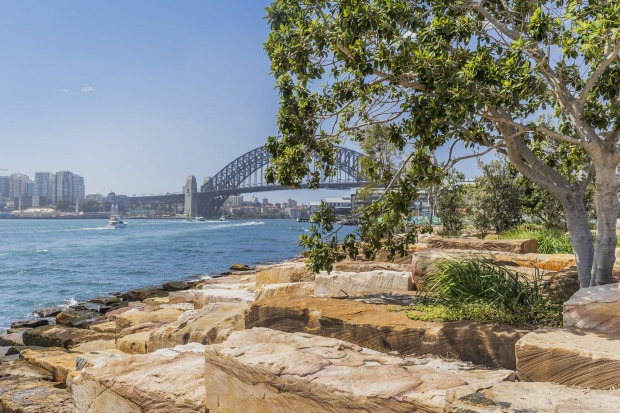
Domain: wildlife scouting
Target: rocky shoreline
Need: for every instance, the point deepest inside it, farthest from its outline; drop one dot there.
(277, 338)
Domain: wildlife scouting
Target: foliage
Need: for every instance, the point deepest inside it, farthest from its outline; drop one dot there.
(496, 202)
(550, 240)
(439, 72)
(485, 291)
(381, 157)
(89, 205)
(450, 202)
(64, 205)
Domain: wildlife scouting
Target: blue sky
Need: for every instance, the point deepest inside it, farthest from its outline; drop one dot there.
(134, 95)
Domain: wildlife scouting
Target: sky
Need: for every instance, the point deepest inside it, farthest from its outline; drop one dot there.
(135, 95)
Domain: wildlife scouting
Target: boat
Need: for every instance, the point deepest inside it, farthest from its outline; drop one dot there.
(222, 218)
(202, 219)
(116, 221)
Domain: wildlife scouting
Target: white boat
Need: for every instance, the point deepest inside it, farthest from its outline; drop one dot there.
(222, 218)
(202, 219)
(116, 221)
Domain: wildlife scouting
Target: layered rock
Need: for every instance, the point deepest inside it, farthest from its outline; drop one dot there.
(209, 325)
(61, 336)
(284, 273)
(59, 362)
(594, 307)
(342, 284)
(135, 317)
(262, 370)
(168, 380)
(523, 246)
(571, 357)
(378, 328)
(269, 290)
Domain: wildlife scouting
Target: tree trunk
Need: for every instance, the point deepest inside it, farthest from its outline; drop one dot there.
(580, 236)
(606, 200)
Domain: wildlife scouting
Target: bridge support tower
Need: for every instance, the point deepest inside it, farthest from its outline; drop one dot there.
(191, 201)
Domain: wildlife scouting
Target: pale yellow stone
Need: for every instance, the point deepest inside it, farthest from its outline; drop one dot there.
(135, 317)
(134, 343)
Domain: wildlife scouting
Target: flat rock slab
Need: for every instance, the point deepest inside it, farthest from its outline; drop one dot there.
(61, 336)
(28, 389)
(269, 290)
(135, 317)
(363, 266)
(96, 358)
(210, 325)
(168, 380)
(378, 328)
(219, 295)
(509, 397)
(343, 284)
(59, 362)
(594, 307)
(572, 357)
(136, 343)
(263, 370)
(519, 246)
(284, 273)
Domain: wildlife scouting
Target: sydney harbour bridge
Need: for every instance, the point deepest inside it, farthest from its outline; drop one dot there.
(246, 174)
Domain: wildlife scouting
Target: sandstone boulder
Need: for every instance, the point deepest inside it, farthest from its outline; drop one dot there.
(135, 317)
(61, 336)
(284, 273)
(168, 380)
(219, 295)
(78, 318)
(59, 362)
(262, 370)
(572, 357)
(523, 246)
(364, 266)
(269, 290)
(106, 327)
(594, 307)
(38, 322)
(96, 358)
(209, 325)
(96, 345)
(342, 284)
(379, 328)
(136, 343)
(12, 339)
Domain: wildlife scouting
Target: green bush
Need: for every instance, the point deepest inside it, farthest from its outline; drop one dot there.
(475, 289)
(550, 241)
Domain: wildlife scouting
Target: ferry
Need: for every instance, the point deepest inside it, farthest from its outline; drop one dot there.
(116, 221)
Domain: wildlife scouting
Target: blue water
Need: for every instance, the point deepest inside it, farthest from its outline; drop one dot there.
(55, 262)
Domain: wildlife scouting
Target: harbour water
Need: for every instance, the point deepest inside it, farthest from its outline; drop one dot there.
(63, 261)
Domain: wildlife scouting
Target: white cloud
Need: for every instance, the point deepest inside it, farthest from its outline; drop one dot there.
(87, 89)
(62, 90)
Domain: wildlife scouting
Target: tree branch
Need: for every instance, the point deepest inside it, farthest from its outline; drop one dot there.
(609, 56)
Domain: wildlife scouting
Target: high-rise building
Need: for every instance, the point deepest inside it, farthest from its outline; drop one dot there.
(18, 185)
(4, 186)
(265, 201)
(79, 190)
(63, 187)
(43, 184)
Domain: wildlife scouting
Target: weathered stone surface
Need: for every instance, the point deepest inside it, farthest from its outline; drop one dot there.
(423, 263)
(139, 328)
(142, 294)
(594, 307)
(217, 295)
(509, 397)
(28, 389)
(135, 317)
(239, 267)
(263, 370)
(59, 362)
(12, 339)
(136, 343)
(48, 311)
(107, 327)
(343, 284)
(284, 273)
(269, 290)
(95, 307)
(169, 380)
(364, 266)
(156, 301)
(209, 325)
(572, 357)
(176, 285)
(96, 358)
(111, 315)
(108, 300)
(522, 246)
(375, 327)
(38, 322)
(61, 336)
(96, 345)
(78, 318)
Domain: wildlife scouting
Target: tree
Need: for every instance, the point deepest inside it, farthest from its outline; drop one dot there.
(439, 72)
(496, 201)
(89, 205)
(450, 202)
(64, 205)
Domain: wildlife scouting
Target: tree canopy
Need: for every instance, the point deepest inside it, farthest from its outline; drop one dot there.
(497, 76)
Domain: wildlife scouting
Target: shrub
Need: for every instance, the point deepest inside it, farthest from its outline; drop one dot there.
(550, 241)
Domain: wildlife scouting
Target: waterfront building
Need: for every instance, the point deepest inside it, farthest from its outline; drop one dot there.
(43, 183)
(18, 185)
(96, 197)
(340, 206)
(63, 186)
(79, 190)
(4, 187)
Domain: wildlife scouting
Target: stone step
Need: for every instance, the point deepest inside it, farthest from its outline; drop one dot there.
(343, 284)
(572, 357)
(263, 370)
(595, 308)
(377, 327)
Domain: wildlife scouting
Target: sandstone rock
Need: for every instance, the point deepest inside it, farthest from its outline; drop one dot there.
(28, 389)
(378, 328)
(136, 343)
(284, 273)
(507, 245)
(59, 362)
(572, 357)
(134, 317)
(139, 328)
(107, 327)
(61, 336)
(176, 285)
(217, 295)
(96, 345)
(12, 339)
(364, 266)
(96, 358)
(142, 294)
(111, 315)
(239, 267)
(594, 307)
(48, 311)
(30, 323)
(107, 300)
(211, 324)
(508, 397)
(168, 380)
(90, 306)
(263, 370)
(156, 301)
(78, 318)
(269, 290)
(179, 306)
(342, 284)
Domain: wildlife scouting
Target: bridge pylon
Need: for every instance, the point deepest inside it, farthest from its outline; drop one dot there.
(189, 189)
